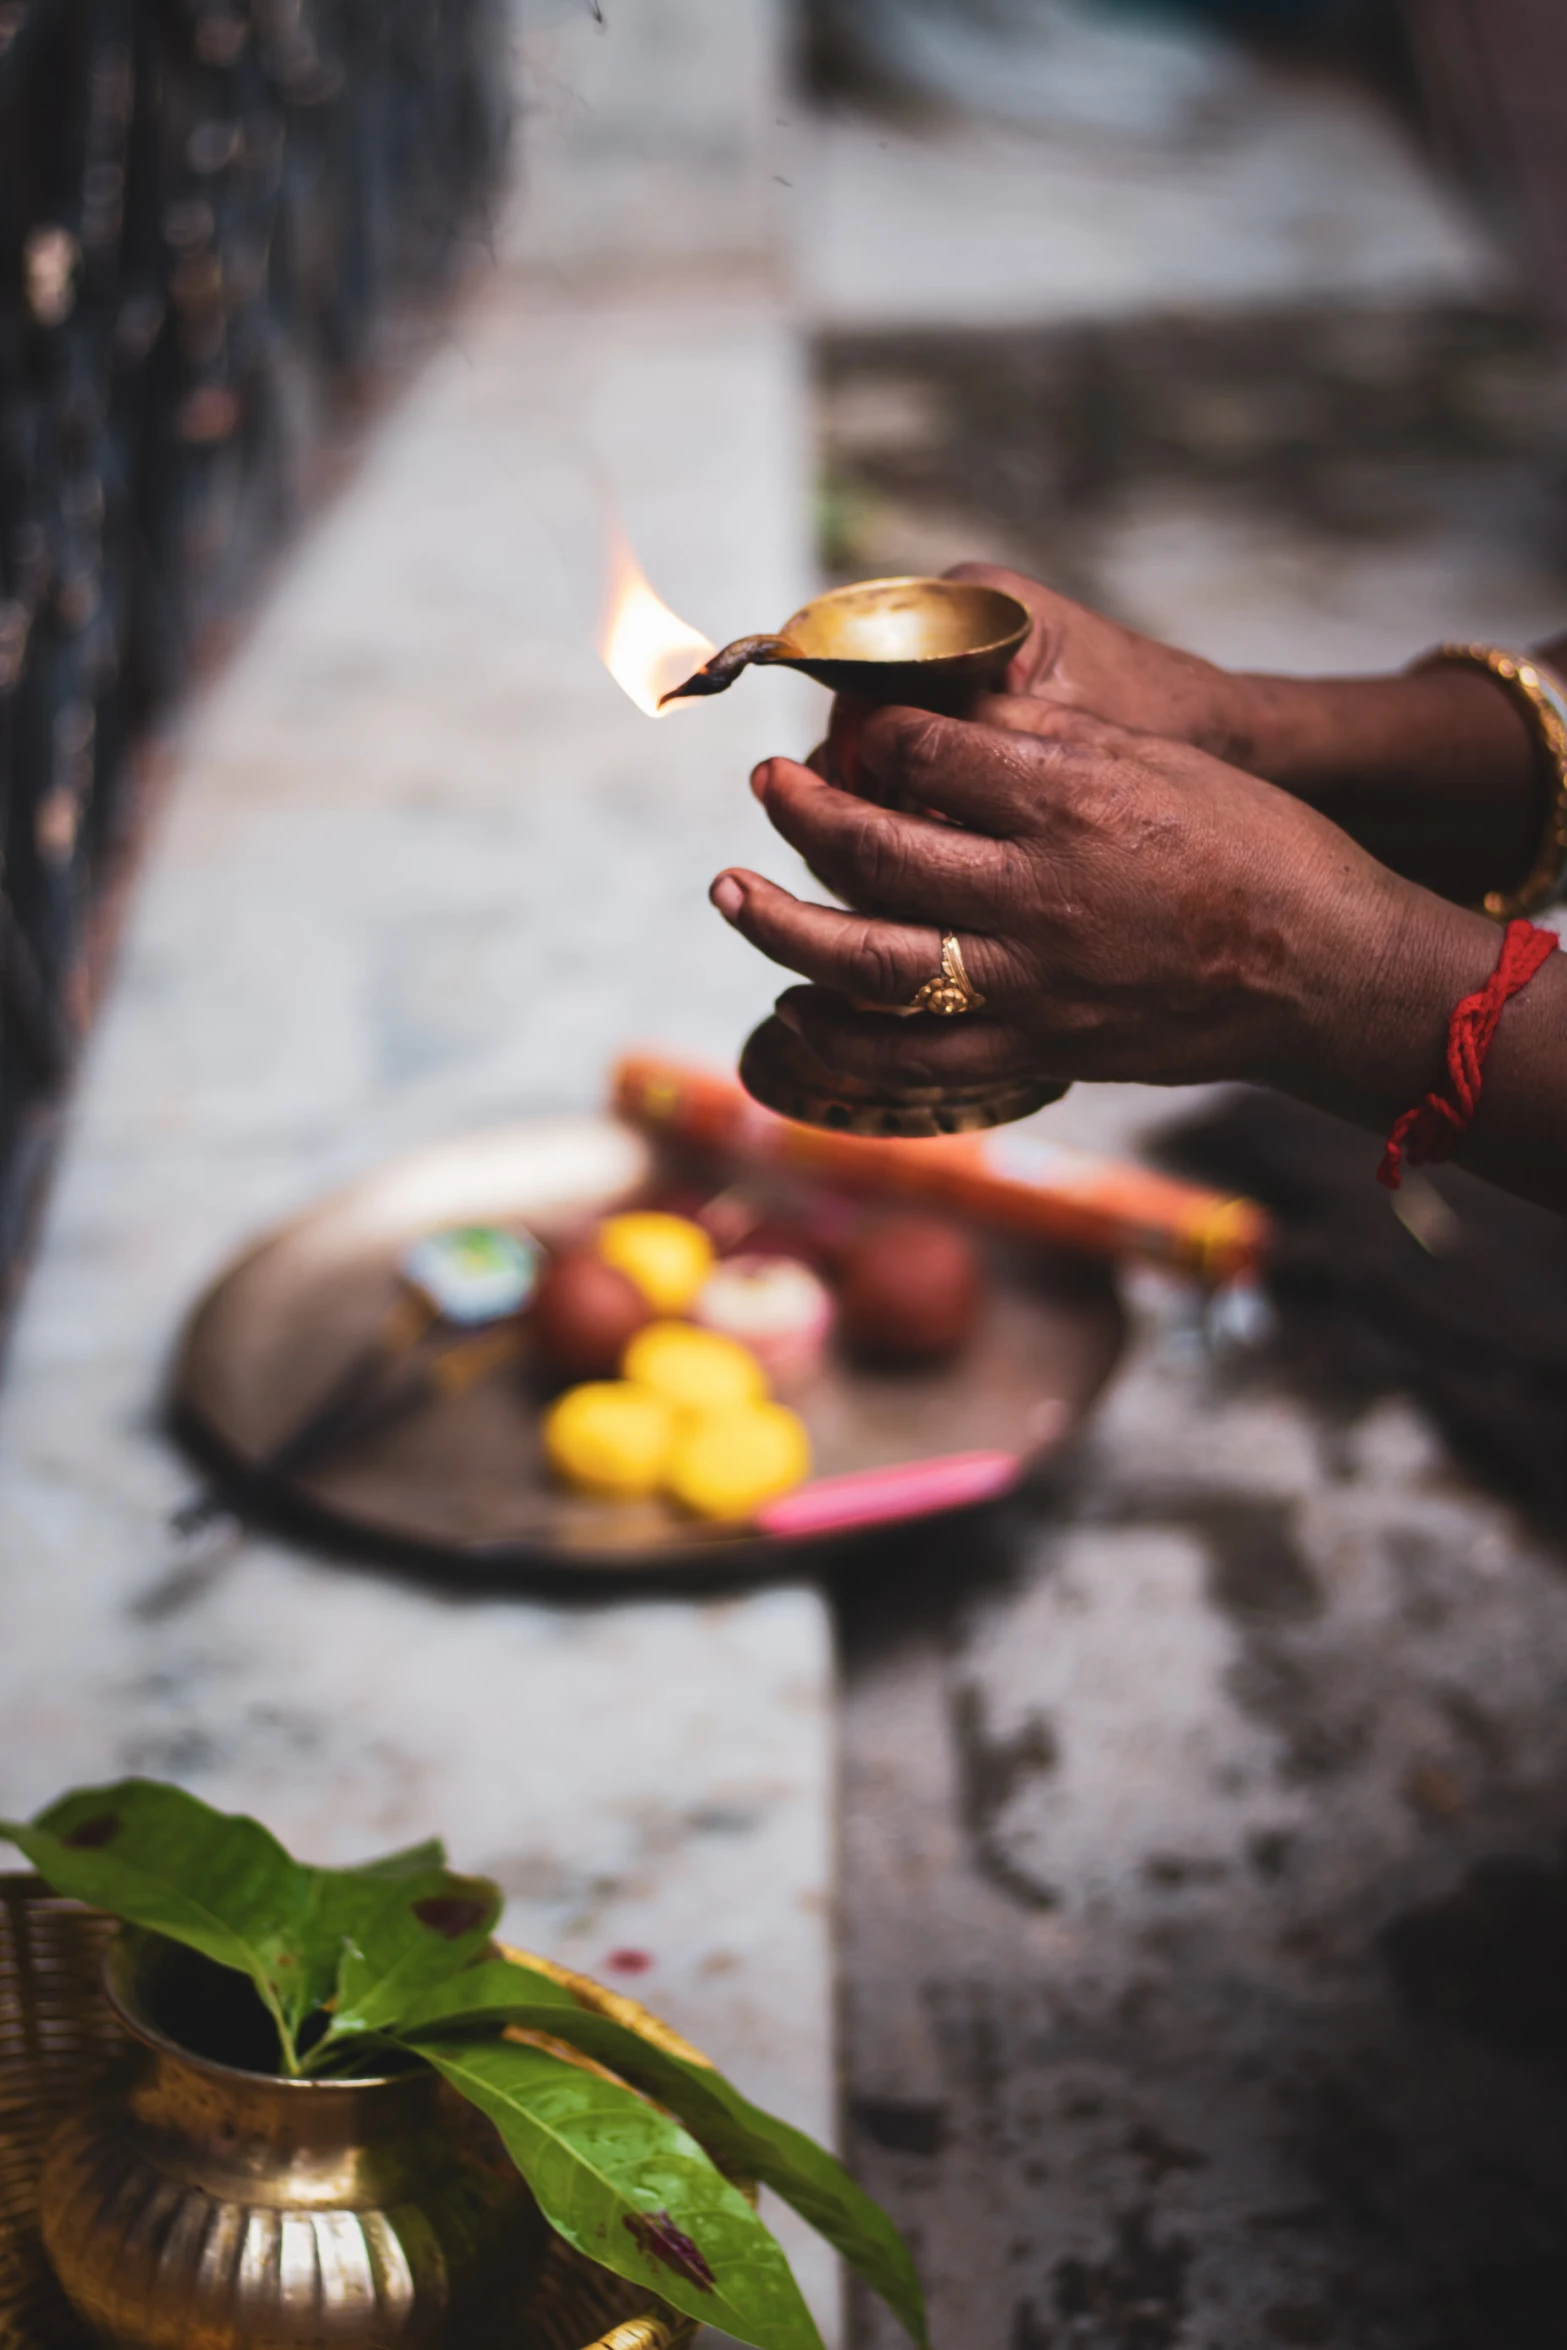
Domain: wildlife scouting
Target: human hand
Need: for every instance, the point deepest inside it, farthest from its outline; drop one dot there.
(1076, 659)
(1129, 908)
(1435, 773)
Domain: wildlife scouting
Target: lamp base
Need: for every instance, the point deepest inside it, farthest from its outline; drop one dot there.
(778, 1071)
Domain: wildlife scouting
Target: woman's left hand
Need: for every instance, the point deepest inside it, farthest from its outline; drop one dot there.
(1128, 907)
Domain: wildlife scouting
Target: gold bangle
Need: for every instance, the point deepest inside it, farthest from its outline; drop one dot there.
(1541, 696)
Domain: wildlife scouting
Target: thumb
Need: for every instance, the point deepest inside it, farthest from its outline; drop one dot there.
(1047, 613)
(1055, 721)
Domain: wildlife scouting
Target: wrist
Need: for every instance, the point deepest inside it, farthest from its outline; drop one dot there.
(1444, 725)
(1436, 774)
(1386, 1052)
(1374, 995)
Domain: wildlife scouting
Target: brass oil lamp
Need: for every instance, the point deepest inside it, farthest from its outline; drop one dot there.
(930, 644)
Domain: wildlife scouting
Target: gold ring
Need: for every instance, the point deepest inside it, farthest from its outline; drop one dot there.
(950, 990)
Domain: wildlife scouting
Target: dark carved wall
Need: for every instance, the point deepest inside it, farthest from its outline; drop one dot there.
(209, 209)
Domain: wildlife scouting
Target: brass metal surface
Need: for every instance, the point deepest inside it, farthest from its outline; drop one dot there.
(1539, 694)
(781, 1072)
(934, 643)
(619, 2006)
(58, 2037)
(465, 1477)
(193, 2206)
(62, 2049)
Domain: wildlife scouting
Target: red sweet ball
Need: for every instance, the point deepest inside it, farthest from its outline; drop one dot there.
(910, 1291)
(585, 1314)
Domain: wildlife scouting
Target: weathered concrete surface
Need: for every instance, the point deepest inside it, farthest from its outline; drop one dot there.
(1206, 1919)
(1204, 1913)
(1204, 1910)
(1300, 189)
(1294, 485)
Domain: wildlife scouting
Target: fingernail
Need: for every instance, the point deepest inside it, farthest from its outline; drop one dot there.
(759, 775)
(727, 896)
(790, 1017)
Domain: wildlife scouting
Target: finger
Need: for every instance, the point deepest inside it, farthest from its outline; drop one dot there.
(872, 961)
(980, 776)
(883, 861)
(843, 741)
(921, 1051)
(1047, 611)
(1051, 721)
(819, 764)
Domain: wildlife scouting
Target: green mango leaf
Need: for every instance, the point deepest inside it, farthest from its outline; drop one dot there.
(627, 2187)
(411, 1860)
(736, 2133)
(414, 1933)
(160, 1858)
(222, 1884)
(495, 1991)
(339, 1905)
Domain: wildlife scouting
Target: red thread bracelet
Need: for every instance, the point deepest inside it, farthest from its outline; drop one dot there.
(1431, 1130)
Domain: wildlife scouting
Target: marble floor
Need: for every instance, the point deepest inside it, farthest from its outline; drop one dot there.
(420, 866)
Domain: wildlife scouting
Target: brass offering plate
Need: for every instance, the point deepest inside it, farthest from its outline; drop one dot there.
(464, 1478)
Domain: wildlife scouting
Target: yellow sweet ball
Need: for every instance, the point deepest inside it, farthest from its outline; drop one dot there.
(694, 1370)
(726, 1464)
(668, 1257)
(610, 1438)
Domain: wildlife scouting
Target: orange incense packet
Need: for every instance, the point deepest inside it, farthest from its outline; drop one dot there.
(1013, 1179)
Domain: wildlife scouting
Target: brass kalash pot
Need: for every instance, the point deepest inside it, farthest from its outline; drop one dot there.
(931, 644)
(201, 2205)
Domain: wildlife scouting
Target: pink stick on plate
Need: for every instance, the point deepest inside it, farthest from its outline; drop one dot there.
(909, 1489)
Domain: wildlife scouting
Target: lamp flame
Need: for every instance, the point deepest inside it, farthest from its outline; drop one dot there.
(644, 646)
